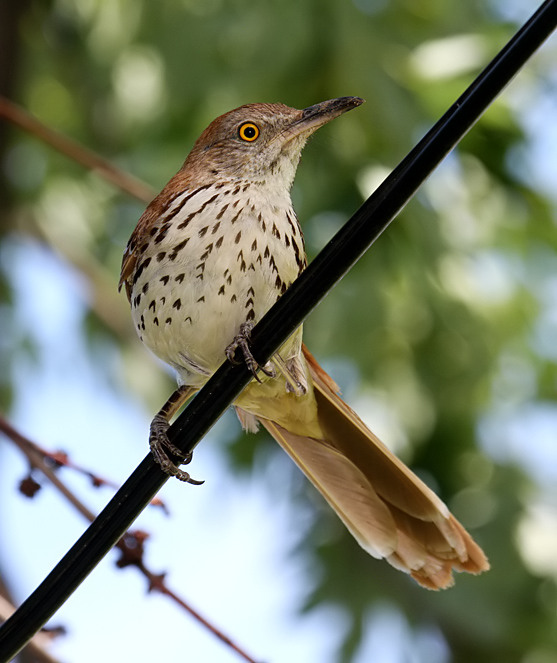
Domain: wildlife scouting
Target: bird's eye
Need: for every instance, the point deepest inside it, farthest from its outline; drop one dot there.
(248, 132)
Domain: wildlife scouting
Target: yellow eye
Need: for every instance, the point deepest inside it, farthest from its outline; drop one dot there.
(248, 132)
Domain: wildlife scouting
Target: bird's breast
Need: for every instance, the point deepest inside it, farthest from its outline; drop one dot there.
(217, 257)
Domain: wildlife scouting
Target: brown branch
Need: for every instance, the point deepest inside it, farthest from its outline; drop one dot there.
(61, 459)
(132, 543)
(37, 461)
(47, 461)
(131, 546)
(73, 150)
(104, 299)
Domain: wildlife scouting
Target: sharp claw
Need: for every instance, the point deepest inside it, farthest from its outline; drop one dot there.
(268, 371)
(253, 366)
(231, 352)
(242, 341)
(161, 446)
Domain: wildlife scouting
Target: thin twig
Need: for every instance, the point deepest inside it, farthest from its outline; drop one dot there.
(131, 544)
(44, 460)
(61, 458)
(72, 149)
(104, 299)
(38, 461)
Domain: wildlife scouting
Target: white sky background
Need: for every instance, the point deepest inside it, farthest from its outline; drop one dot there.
(227, 544)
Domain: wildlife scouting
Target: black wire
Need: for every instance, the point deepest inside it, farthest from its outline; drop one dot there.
(340, 254)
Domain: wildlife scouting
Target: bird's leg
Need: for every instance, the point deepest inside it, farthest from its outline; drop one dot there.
(293, 373)
(159, 443)
(242, 341)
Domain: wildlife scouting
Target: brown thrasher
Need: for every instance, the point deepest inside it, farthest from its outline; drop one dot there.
(210, 255)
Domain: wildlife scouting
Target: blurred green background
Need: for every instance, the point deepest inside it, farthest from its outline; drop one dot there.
(442, 337)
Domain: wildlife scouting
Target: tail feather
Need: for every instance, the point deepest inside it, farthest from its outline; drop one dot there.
(391, 478)
(388, 509)
(344, 487)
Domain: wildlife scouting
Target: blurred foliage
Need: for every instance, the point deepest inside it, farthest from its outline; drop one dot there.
(441, 333)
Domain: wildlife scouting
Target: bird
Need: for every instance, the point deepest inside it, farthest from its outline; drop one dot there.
(209, 256)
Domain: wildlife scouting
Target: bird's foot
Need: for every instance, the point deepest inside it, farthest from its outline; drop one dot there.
(242, 341)
(161, 447)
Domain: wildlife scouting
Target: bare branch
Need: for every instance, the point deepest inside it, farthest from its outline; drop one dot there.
(73, 150)
(104, 300)
(131, 544)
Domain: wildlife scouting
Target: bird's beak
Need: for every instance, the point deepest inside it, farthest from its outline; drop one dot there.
(316, 116)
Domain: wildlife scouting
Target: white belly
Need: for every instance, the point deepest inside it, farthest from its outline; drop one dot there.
(221, 268)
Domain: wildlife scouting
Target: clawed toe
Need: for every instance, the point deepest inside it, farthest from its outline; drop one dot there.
(159, 441)
(161, 447)
(242, 341)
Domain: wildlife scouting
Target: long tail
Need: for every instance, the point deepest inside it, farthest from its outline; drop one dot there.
(390, 512)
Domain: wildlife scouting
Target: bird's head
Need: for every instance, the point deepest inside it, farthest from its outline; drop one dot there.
(260, 142)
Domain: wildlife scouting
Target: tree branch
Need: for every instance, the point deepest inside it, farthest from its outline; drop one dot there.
(73, 150)
(131, 544)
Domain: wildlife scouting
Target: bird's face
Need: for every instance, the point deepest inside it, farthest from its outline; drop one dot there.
(261, 142)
